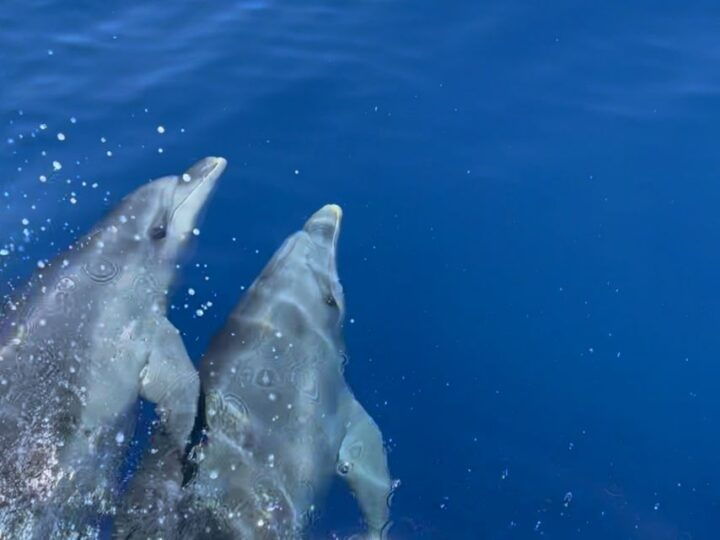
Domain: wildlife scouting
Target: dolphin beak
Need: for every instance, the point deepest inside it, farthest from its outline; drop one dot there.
(192, 191)
(324, 226)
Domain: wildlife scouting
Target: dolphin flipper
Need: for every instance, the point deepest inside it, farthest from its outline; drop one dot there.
(170, 380)
(362, 462)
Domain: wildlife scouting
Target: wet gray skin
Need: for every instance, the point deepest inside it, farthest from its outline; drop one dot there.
(85, 338)
(281, 420)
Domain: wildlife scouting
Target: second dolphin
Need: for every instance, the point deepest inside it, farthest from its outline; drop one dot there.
(280, 418)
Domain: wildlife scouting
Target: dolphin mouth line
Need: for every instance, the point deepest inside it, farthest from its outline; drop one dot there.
(193, 190)
(336, 233)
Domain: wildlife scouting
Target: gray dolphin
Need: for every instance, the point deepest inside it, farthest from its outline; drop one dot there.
(86, 337)
(280, 418)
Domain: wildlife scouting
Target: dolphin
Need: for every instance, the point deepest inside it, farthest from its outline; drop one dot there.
(85, 338)
(279, 419)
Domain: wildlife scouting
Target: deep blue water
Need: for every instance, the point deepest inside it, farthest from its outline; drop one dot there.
(531, 234)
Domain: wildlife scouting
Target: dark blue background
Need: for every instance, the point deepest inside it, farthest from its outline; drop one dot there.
(531, 233)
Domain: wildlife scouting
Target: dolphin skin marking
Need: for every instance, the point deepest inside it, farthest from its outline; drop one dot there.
(83, 340)
(280, 420)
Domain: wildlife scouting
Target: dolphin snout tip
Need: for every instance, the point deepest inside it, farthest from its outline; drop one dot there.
(330, 211)
(324, 225)
(219, 161)
(335, 209)
(209, 167)
(215, 164)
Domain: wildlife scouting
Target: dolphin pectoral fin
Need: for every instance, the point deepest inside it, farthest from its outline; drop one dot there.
(170, 380)
(362, 462)
(149, 510)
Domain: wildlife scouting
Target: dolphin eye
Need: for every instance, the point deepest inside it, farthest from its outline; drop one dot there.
(158, 232)
(330, 300)
(344, 467)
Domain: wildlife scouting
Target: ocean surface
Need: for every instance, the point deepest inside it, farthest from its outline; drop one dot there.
(531, 240)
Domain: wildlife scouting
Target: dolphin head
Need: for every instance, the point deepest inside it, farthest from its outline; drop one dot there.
(305, 269)
(151, 226)
(182, 200)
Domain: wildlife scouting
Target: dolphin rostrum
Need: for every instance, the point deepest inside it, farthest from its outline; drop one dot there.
(86, 337)
(280, 420)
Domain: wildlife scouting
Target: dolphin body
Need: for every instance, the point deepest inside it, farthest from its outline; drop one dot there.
(84, 339)
(280, 420)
